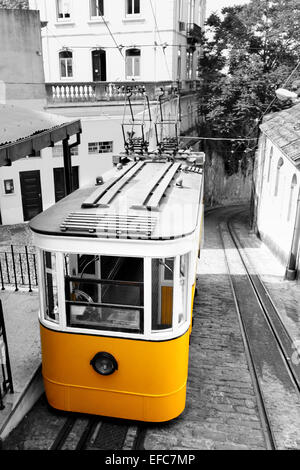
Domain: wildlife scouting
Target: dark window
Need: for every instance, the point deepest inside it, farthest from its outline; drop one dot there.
(9, 186)
(100, 147)
(133, 7)
(51, 306)
(104, 292)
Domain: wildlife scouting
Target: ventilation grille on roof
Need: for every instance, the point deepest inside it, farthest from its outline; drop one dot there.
(112, 226)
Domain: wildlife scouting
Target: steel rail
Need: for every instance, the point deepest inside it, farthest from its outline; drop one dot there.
(97, 434)
(262, 410)
(283, 338)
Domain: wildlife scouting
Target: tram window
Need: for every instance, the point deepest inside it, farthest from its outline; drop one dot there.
(51, 307)
(162, 293)
(183, 275)
(111, 297)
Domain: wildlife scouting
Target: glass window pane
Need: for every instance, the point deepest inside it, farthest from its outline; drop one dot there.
(129, 7)
(129, 68)
(168, 269)
(93, 7)
(63, 71)
(136, 6)
(104, 292)
(105, 318)
(162, 294)
(51, 307)
(136, 66)
(183, 275)
(70, 68)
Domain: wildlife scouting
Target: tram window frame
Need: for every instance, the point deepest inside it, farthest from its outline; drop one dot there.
(51, 302)
(183, 281)
(161, 267)
(88, 289)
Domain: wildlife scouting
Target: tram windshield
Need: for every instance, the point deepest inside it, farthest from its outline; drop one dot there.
(104, 292)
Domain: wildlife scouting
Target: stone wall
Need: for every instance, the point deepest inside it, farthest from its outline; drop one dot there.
(221, 189)
(21, 61)
(11, 4)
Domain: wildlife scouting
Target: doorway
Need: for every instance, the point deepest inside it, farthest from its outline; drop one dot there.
(31, 194)
(99, 65)
(59, 182)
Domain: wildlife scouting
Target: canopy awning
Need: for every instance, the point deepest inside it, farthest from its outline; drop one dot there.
(24, 131)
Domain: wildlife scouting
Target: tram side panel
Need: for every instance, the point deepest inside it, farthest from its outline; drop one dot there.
(149, 385)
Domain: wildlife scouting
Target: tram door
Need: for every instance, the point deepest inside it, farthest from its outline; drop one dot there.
(166, 282)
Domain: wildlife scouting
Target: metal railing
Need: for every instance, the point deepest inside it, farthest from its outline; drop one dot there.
(18, 267)
(6, 384)
(92, 92)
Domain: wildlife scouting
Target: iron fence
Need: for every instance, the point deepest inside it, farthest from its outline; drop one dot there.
(6, 384)
(18, 267)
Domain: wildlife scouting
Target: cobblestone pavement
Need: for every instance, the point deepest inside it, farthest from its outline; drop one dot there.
(221, 411)
(18, 234)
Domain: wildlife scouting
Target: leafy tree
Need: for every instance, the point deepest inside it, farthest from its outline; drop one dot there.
(248, 52)
(14, 4)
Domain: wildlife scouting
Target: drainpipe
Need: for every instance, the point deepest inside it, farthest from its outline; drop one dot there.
(291, 269)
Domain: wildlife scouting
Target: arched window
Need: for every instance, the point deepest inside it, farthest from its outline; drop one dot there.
(66, 64)
(133, 64)
(270, 164)
(279, 165)
(292, 191)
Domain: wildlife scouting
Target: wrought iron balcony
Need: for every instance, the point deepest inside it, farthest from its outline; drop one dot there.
(193, 33)
(60, 93)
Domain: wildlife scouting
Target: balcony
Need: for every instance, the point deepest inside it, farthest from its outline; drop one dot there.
(89, 93)
(193, 33)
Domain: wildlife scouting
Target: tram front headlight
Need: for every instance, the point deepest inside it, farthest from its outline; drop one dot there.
(104, 363)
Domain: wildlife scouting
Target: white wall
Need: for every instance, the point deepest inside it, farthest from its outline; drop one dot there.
(82, 35)
(95, 129)
(272, 218)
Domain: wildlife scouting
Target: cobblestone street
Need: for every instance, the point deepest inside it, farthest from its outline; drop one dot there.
(221, 411)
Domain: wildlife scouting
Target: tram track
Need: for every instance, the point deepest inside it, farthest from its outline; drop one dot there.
(97, 433)
(272, 315)
(268, 347)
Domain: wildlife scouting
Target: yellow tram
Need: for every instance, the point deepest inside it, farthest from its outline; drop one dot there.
(117, 266)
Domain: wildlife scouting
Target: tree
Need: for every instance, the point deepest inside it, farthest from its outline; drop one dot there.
(248, 53)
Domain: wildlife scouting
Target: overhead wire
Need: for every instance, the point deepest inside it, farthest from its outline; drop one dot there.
(164, 45)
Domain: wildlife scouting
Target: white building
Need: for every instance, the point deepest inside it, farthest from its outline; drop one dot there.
(85, 73)
(117, 40)
(277, 186)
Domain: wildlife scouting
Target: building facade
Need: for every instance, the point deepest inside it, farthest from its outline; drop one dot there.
(120, 40)
(75, 43)
(277, 186)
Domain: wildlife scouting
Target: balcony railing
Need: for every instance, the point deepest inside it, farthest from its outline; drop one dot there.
(193, 33)
(59, 93)
(101, 91)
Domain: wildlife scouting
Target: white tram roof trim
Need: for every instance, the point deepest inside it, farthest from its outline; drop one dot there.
(140, 201)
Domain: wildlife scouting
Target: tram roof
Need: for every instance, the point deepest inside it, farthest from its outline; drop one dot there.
(142, 200)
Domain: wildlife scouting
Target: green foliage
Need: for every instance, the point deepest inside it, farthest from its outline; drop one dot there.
(248, 52)
(14, 4)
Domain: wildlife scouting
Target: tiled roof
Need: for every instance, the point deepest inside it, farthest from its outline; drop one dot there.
(18, 123)
(24, 131)
(283, 129)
